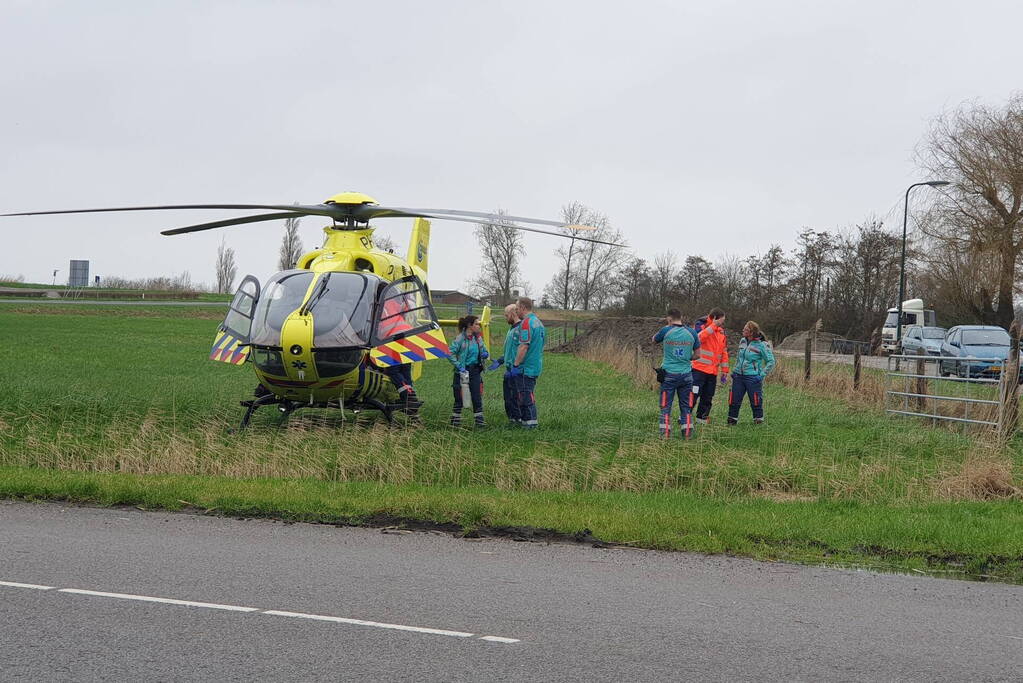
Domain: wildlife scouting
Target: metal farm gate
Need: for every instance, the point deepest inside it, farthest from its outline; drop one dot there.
(963, 390)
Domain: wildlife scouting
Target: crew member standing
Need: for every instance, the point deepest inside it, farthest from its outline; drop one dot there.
(528, 361)
(753, 361)
(511, 349)
(679, 343)
(467, 355)
(711, 362)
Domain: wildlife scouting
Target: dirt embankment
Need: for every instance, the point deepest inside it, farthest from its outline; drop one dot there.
(626, 333)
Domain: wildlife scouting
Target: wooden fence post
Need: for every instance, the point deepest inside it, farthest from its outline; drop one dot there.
(806, 356)
(856, 367)
(921, 385)
(1009, 394)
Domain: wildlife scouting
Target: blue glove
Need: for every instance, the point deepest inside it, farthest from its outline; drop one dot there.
(484, 354)
(514, 371)
(495, 365)
(460, 369)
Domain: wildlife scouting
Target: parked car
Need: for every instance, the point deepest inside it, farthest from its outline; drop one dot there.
(988, 344)
(923, 341)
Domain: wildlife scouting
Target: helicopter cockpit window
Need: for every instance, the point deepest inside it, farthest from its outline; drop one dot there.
(342, 308)
(282, 296)
(403, 308)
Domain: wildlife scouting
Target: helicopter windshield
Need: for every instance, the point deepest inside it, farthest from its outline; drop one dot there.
(282, 295)
(342, 310)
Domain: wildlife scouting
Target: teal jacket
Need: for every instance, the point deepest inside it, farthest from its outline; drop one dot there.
(511, 344)
(753, 358)
(467, 351)
(680, 344)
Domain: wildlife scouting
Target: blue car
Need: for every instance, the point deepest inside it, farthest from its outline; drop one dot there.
(923, 341)
(988, 344)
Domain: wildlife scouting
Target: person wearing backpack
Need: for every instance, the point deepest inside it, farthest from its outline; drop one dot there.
(753, 361)
(679, 343)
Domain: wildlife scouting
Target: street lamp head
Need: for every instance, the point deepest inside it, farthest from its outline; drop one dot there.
(937, 183)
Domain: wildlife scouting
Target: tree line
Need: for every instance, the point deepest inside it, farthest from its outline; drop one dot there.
(963, 252)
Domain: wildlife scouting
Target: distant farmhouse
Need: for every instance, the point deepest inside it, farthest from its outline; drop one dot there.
(452, 296)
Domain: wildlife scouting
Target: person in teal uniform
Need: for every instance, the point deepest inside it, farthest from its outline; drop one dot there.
(679, 344)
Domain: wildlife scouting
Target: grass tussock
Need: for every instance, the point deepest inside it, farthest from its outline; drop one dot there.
(985, 476)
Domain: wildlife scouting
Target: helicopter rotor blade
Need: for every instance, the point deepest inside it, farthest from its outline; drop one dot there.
(504, 223)
(491, 216)
(303, 209)
(230, 221)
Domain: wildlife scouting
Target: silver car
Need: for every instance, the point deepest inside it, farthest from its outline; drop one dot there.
(923, 341)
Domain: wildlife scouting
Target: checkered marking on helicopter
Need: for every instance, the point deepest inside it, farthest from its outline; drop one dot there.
(418, 347)
(229, 349)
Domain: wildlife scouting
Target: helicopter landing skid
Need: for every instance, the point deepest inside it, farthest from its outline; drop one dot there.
(286, 407)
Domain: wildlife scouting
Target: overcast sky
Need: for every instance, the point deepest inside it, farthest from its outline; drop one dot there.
(702, 128)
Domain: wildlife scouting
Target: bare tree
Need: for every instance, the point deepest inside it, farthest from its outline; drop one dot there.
(226, 268)
(501, 249)
(560, 289)
(594, 281)
(291, 244)
(695, 276)
(979, 149)
(663, 276)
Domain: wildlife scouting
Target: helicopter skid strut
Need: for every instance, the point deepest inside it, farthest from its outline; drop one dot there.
(287, 406)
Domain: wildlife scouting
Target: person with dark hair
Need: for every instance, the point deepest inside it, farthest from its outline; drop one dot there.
(712, 361)
(753, 362)
(467, 355)
(675, 374)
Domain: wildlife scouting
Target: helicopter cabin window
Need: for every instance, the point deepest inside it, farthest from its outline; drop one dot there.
(404, 308)
(282, 296)
(342, 307)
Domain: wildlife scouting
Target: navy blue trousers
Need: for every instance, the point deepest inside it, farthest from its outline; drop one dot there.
(746, 385)
(704, 385)
(525, 390)
(511, 400)
(475, 393)
(680, 385)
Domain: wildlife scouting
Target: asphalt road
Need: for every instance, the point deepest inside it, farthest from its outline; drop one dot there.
(496, 610)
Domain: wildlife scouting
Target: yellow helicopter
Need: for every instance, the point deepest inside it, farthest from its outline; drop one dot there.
(350, 325)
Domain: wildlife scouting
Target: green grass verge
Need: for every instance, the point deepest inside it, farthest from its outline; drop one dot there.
(962, 540)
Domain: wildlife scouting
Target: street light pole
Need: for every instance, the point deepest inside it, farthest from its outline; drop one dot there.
(902, 267)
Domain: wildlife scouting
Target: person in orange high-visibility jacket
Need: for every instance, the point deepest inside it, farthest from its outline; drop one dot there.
(711, 362)
(392, 322)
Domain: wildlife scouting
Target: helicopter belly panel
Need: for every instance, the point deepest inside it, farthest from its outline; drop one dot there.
(362, 384)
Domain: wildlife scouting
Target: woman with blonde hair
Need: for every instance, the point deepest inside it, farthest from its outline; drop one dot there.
(753, 362)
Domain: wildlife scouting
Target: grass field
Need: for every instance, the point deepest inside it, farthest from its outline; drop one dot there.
(120, 405)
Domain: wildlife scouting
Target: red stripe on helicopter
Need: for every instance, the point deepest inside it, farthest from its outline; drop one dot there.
(437, 343)
(290, 383)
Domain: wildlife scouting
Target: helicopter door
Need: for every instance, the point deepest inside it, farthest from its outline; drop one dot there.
(231, 343)
(405, 327)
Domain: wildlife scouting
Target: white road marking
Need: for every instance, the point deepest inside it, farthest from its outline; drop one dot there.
(169, 601)
(499, 639)
(375, 624)
(33, 586)
(271, 612)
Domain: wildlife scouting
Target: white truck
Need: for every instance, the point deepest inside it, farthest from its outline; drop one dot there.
(913, 313)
